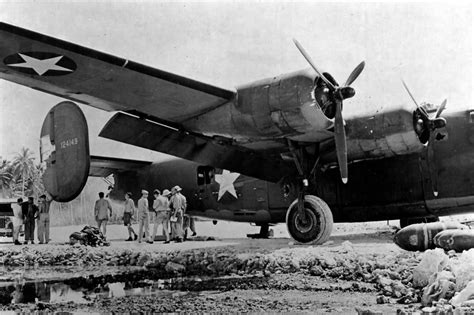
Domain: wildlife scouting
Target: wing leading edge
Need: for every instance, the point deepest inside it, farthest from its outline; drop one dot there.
(101, 80)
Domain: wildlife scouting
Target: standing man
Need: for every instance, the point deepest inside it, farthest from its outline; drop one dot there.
(128, 212)
(143, 220)
(178, 202)
(17, 220)
(43, 218)
(30, 213)
(161, 208)
(101, 212)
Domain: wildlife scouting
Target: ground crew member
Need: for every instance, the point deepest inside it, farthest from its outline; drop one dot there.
(128, 212)
(17, 220)
(162, 213)
(101, 212)
(178, 206)
(143, 216)
(30, 212)
(43, 218)
(189, 223)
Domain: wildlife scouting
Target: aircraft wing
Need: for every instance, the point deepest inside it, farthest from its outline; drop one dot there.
(115, 84)
(104, 166)
(101, 80)
(194, 147)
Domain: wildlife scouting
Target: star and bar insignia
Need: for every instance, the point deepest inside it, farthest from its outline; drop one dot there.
(226, 183)
(41, 63)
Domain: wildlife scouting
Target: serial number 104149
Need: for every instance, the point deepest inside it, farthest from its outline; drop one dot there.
(69, 142)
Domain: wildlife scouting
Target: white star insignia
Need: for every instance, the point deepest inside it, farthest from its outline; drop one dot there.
(38, 65)
(226, 183)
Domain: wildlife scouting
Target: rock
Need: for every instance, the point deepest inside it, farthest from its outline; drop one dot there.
(172, 267)
(382, 299)
(432, 262)
(464, 296)
(316, 271)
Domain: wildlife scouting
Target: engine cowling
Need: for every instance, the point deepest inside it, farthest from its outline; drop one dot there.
(281, 106)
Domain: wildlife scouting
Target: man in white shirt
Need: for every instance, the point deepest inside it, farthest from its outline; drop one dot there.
(17, 220)
(143, 220)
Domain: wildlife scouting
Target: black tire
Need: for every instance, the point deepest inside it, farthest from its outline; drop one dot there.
(318, 227)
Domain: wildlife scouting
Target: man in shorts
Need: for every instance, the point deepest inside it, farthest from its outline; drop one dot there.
(128, 212)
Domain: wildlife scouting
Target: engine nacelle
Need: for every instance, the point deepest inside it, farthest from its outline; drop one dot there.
(64, 148)
(280, 106)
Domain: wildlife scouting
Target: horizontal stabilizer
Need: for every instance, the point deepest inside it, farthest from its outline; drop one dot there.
(194, 147)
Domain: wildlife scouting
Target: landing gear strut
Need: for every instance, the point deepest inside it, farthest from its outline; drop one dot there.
(308, 218)
(264, 232)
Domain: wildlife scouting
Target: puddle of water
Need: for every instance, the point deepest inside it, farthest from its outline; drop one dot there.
(61, 292)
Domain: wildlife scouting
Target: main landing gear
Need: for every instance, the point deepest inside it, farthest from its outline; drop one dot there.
(308, 218)
(313, 223)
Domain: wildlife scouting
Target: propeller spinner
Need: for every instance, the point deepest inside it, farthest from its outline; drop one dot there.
(339, 94)
(424, 124)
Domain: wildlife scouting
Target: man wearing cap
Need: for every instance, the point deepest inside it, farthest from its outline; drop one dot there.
(43, 218)
(178, 206)
(143, 216)
(162, 213)
(101, 212)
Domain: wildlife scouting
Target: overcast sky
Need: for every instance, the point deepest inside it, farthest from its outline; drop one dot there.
(231, 43)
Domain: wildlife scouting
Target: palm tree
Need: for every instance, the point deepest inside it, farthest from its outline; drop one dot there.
(35, 182)
(5, 177)
(23, 167)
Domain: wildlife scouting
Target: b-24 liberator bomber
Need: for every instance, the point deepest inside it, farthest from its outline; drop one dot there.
(274, 150)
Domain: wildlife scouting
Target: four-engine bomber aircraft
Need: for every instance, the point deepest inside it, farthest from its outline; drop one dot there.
(267, 152)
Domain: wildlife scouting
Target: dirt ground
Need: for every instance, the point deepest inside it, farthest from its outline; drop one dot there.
(278, 292)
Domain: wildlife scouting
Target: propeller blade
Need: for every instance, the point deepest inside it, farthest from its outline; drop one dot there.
(308, 59)
(432, 165)
(409, 93)
(340, 139)
(355, 73)
(441, 108)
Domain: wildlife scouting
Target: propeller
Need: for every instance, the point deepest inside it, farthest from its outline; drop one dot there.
(424, 124)
(339, 93)
(425, 127)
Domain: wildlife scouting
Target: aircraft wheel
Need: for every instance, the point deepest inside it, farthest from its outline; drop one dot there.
(318, 224)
